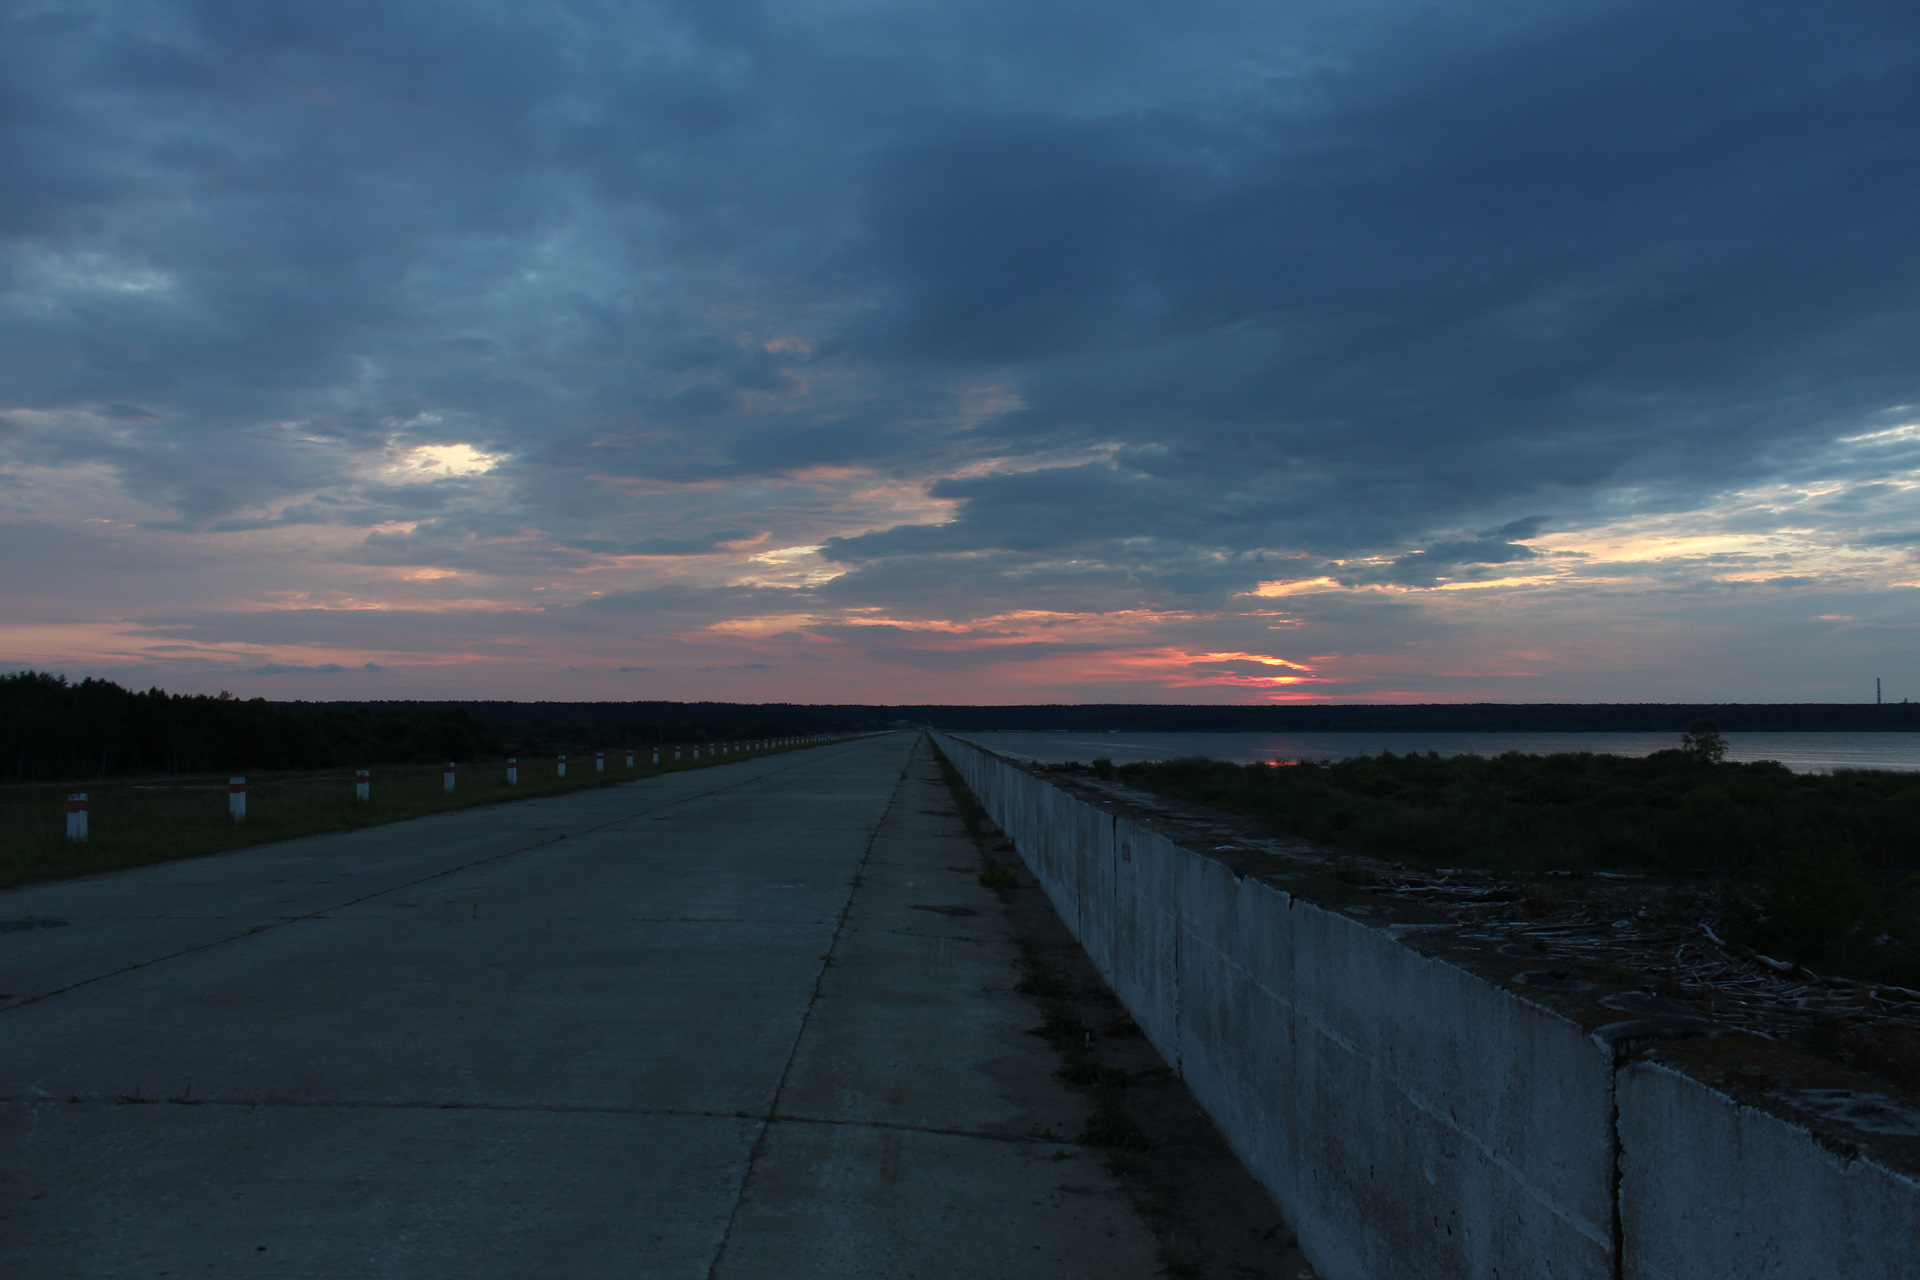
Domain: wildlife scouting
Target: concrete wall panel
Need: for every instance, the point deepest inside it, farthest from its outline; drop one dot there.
(1711, 1189)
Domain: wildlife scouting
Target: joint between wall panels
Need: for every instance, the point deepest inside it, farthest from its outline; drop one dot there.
(1617, 1249)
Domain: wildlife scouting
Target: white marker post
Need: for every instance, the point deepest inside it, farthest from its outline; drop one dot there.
(599, 762)
(513, 771)
(656, 755)
(362, 785)
(629, 757)
(446, 778)
(563, 766)
(237, 798)
(676, 752)
(77, 816)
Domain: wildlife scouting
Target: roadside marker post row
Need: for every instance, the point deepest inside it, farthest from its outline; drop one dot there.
(363, 780)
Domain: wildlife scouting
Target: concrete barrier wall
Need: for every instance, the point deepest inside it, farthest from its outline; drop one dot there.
(1711, 1189)
(1413, 1119)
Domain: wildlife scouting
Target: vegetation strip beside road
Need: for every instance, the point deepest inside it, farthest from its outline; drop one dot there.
(1816, 869)
(160, 819)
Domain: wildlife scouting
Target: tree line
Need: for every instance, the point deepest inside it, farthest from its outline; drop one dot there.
(52, 728)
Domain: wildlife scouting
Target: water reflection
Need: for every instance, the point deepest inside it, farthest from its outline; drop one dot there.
(1801, 752)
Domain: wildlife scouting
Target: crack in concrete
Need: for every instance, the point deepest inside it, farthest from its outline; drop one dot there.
(772, 1114)
(537, 1108)
(973, 938)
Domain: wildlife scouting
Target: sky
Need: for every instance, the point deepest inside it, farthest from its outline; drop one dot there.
(982, 352)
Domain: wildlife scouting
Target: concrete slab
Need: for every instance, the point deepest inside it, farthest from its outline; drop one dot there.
(847, 1202)
(331, 1192)
(918, 1130)
(112, 922)
(550, 1038)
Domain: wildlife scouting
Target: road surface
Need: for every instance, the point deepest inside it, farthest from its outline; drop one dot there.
(702, 1025)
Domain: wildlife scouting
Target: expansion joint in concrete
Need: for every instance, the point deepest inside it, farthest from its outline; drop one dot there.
(528, 1108)
(377, 1104)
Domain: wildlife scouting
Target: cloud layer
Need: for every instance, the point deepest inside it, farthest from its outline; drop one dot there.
(965, 352)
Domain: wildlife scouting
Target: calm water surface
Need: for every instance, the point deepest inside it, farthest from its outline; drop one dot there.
(1801, 752)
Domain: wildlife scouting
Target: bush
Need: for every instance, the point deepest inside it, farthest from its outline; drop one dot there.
(1820, 905)
(1827, 862)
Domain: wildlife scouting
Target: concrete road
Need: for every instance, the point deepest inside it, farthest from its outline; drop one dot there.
(704, 1025)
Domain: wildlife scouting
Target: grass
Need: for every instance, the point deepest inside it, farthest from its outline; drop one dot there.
(994, 874)
(135, 822)
(1108, 1125)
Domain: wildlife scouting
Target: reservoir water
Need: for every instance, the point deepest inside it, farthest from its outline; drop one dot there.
(1801, 752)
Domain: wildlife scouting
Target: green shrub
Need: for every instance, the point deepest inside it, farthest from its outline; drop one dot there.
(1830, 859)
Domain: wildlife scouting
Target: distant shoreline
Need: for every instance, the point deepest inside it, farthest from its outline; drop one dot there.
(1474, 717)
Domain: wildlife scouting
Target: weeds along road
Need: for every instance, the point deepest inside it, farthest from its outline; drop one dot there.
(702, 1025)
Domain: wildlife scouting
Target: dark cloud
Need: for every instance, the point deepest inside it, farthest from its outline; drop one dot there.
(927, 658)
(673, 607)
(419, 630)
(1430, 565)
(663, 546)
(1240, 282)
